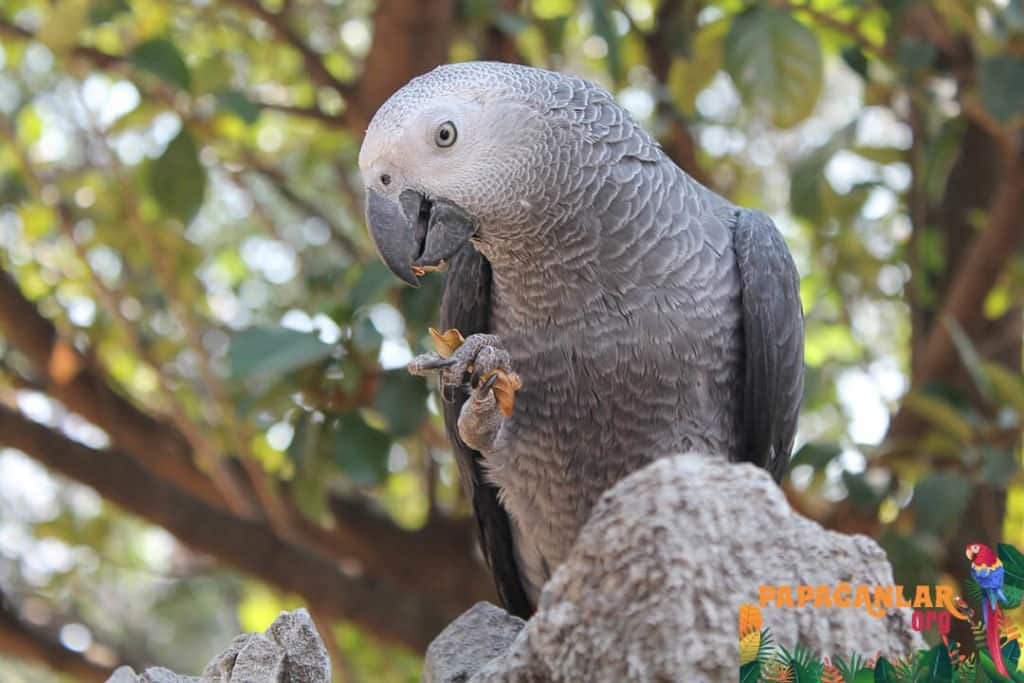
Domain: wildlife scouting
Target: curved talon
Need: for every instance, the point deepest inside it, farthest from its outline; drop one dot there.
(438, 364)
(489, 384)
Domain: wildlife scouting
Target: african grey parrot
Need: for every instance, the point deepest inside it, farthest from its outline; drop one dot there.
(644, 314)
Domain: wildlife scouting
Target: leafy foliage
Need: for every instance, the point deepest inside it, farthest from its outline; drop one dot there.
(179, 195)
(934, 665)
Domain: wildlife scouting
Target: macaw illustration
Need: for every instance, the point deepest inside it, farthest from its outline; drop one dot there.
(987, 570)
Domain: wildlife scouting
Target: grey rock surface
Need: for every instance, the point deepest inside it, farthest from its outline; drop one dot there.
(479, 635)
(652, 588)
(290, 651)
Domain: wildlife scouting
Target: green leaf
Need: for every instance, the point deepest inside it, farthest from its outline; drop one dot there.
(939, 413)
(105, 10)
(750, 672)
(1008, 386)
(990, 669)
(421, 304)
(161, 58)
(177, 180)
(915, 55)
(62, 24)
(605, 27)
(856, 60)
(776, 64)
(1001, 81)
(360, 451)
(374, 279)
(1013, 565)
(309, 485)
(402, 399)
(881, 155)
(806, 667)
(973, 594)
(1011, 654)
(234, 102)
(263, 352)
(863, 676)
(884, 671)
(935, 666)
(940, 154)
(807, 187)
(939, 501)
(817, 455)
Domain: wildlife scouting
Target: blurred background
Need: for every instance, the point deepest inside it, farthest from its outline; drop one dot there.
(204, 417)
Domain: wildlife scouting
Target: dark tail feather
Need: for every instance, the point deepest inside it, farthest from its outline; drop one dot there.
(991, 613)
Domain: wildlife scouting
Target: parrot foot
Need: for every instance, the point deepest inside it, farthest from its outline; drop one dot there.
(481, 418)
(478, 355)
(482, 362)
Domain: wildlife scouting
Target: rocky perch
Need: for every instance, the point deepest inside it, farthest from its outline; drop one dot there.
(651, 592)
(290, 651)
(652, 589)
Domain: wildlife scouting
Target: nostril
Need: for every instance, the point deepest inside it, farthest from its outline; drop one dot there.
(385, 179)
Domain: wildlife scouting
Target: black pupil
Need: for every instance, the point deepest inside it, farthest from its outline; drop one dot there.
(445, 133)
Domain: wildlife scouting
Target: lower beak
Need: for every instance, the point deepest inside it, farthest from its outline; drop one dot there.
(415, 231)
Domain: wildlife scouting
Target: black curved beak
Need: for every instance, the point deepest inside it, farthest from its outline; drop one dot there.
(415, 231)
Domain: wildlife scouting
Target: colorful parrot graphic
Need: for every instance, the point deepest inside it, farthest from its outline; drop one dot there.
(987, 570)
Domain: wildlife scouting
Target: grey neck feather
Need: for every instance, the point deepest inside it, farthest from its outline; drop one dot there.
(566, 272)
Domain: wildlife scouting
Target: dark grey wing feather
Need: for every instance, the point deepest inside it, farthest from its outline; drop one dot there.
(466, 306)
(773, 330)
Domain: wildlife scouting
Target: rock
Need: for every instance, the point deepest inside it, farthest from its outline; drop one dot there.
(481, 634)
(290, 651)
(652, 589)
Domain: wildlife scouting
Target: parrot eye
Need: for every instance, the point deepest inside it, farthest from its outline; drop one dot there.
(445, 135)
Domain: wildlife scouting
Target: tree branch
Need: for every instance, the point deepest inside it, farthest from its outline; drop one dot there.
(87, 393)
(318, 71)
(20, 640)
(377, 605)
(409, 38)
(679, 143)
(435, 561)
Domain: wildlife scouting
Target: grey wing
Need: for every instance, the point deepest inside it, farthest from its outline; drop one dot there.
(466, 307)
(773, 330)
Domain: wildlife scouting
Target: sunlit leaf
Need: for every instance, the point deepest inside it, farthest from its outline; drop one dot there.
(776, 64)
(689, 76)
(64, 22)
(940, 414)
(1007, 385)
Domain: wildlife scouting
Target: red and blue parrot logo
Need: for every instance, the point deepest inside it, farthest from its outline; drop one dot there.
(987, 570)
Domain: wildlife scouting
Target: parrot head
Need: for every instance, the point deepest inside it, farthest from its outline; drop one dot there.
(462, 152)
(981, 555)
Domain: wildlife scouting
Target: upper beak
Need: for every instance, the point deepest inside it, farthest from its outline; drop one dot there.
(415, 231)
(969, 555)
